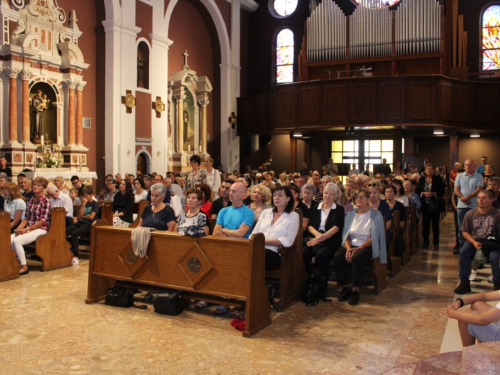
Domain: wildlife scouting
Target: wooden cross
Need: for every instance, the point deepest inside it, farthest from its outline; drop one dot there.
(124, 101)
(186, 66)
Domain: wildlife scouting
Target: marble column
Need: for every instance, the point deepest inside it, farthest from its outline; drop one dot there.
(180, 124)
(25, 77)
(71, 111)
(79, 113)
(203, 126)
(13, 73)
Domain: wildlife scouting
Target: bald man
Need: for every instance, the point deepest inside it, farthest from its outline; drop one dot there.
(237, 219)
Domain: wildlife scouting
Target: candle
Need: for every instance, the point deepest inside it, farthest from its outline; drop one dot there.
(42, 141)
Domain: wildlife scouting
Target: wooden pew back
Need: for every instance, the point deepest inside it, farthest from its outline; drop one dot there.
(138, 208)
(213, 266)
(394, 262)
(9, 267)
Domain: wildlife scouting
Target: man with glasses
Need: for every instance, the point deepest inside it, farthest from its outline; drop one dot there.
(223, 200)
(111, 190)
(158, 179)
(77, 184)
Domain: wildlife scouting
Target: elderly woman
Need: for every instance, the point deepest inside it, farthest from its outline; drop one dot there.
(325, 227)
(363, 239)
(409, 188)
(61, 186)
(158, 215)
(394, 205)
(206, 199)
(430, 188)
(123, 205)
(279, 225)
(196, 175)
(34, 225)
(194, 216)
(14, 204)
(260, 196)
(213, 177)
(308, 191)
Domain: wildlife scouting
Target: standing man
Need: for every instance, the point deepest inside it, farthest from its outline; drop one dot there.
(223, 200)
(385, 168)
(477, 225)
(467, 187)
(333, 170)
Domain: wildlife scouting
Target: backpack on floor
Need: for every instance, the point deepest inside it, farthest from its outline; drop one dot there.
(168, 303)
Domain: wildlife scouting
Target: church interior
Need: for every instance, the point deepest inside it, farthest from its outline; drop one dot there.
(101, 87)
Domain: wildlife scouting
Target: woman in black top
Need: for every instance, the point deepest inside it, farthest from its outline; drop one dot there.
(158, 215)
(306, 215)
(430, 188)
(123, 205)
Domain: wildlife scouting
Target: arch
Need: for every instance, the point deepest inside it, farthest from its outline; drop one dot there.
(489, 37)
(220, 26)
(143, 153)
(143, 48)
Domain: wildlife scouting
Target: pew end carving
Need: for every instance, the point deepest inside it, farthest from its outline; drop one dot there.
(9, 267)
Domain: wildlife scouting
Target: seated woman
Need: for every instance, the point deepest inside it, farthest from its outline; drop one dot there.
(260, 196)
(400, 195)
(140, 190)
(123, 205)
(158, 215)
(206, 198)
(325, 227)
(394, 205)
(279, 225)
(481, 321)
(306, 212)
(194, 216)
(34, 225)
(14, 204)
(363, 239)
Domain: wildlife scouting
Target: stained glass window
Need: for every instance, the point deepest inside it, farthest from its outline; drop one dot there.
(491, 38)
(284, 56)
(285, 7)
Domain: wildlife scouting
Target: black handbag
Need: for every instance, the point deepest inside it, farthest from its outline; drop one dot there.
(121, 296)
(168, 303)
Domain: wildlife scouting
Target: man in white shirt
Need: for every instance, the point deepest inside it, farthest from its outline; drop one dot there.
(59, 199)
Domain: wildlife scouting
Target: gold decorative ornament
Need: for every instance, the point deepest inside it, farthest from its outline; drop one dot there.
(130, 101)
(159, 106)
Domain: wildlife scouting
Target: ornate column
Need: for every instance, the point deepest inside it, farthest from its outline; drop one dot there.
(25, 77)
(79, 113)
(71, 111)
(13, 73)
(203, 125)
(180, 125)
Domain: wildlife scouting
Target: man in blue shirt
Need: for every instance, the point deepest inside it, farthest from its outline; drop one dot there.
(237, 219)
(484, 161)
(467, 187)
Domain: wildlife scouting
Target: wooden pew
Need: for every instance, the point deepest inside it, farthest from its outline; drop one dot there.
(200, 267)
(52, 247)
(291, 274)
(406, 237)
(414, 223)
(105, 210)
(393, 261)
(138, 208)
(9, 267)
(378, 271)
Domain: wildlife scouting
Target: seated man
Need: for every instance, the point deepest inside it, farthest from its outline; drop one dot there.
(28, 192)
(59, 199)
(223, 200)
(477, 225)
(86, 215)
(75, 180)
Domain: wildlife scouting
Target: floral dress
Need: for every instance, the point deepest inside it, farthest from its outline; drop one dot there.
(193, 179)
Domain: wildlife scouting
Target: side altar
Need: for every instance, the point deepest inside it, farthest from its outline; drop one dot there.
(41, 68)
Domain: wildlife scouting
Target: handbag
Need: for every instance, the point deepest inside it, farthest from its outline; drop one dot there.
(433, 204)
(121, 296)
(168, 303)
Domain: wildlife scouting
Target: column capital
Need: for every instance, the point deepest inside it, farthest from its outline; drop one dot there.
(81, 85)
(25, 74)
(204, 102)
(179, 97)
(11, 72)
(71, 83)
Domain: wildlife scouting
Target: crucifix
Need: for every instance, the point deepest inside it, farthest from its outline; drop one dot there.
(186, 66)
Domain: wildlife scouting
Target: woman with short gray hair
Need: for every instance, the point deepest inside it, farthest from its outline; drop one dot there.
(158, 215)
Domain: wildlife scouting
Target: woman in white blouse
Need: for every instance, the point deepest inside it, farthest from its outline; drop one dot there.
(279, 225)
(213, 177)
(140, 190)
(14, 204)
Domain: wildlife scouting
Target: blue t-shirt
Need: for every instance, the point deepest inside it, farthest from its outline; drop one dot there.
(468, 184)
(232, 218)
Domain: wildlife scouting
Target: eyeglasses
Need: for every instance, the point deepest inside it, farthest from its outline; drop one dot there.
(360, 197)
(372, 185)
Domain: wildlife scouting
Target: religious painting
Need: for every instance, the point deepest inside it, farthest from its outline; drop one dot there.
(29, 158)
(83, 159)
(74, 159)
(18, 157)
(43, 115)
(188, 120)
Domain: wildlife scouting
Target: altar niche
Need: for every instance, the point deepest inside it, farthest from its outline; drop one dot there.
(43, 114)
(190, 113)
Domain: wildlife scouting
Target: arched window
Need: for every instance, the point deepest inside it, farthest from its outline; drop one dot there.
(284, 56)
(143, 65)
(285, 7)
(490, 38)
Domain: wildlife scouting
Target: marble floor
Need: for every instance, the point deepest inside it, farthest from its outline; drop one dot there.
(46, 328)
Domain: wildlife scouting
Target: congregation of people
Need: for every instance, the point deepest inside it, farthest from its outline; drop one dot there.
(346, 221)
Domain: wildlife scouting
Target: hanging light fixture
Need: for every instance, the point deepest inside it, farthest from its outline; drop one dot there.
(376, 4)
(475, 135)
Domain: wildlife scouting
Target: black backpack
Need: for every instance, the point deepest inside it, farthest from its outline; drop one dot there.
(168, 303)
(314, 290)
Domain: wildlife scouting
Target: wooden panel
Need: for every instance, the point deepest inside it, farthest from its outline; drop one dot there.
(464, 104)
(486, 103)
(286, 104)
(335, 105)
(392, 101)
(309, 104)
(362, 102)
(445, 105)
(422, 101)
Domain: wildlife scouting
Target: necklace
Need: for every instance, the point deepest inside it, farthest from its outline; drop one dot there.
(157, 210)
(189, 214)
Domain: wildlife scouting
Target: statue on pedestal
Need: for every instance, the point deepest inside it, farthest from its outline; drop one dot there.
(38, 106)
